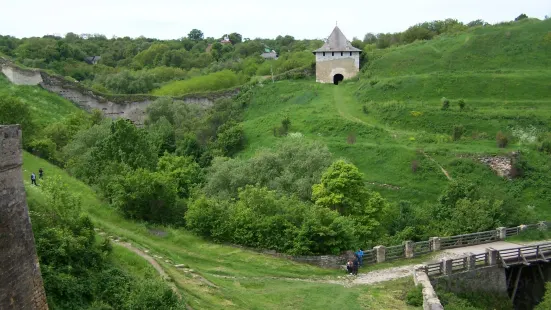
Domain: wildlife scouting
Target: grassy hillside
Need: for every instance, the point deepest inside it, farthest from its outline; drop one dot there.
(46, 107)
(386, 119)
(225, 275)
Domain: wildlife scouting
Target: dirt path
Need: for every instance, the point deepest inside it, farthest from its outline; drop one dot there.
(441, 168)
(152, 262)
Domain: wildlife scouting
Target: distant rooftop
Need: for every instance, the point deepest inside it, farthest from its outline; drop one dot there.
(337, 42)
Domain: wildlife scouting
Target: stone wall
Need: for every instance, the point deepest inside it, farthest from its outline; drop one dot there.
(130, 107)
(430, 299)
(490, 279)
(20, 280)
(327, 66)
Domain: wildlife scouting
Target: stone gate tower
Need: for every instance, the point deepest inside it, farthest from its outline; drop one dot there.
(20, 280)
(337, 59)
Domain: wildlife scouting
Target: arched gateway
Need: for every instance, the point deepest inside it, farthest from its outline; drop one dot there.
(337, 59)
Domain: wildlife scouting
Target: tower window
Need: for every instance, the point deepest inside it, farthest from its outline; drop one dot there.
(323, 53)
(332, 53)
(341, 53)
(350, 53)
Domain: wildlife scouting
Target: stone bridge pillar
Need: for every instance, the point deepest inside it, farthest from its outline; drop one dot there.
(502, 233)
(492, 256)
(20, 280)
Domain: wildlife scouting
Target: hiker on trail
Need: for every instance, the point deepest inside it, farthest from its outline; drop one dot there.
(355, 266)
(350, 266)
(40, 173)
(360, 255)
(33, 178)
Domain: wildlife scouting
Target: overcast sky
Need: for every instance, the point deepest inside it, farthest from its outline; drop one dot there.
(172, 19)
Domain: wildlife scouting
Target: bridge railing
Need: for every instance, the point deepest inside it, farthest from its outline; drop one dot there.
(492, 257)
(468, 239)
(411, 249)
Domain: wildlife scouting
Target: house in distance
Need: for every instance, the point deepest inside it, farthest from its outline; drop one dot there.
(337, 59)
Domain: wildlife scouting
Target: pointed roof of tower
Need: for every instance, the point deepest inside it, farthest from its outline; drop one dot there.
(337, 42)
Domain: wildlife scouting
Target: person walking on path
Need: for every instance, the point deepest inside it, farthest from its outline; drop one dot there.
(33, 179)
(360, 255)
(40, 173)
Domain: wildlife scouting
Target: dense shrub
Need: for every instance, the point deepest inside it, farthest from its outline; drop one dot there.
(501, 139)
(264, 219)
(291, 168)
(77, 270)
(14, 111)
(414, 296)
(461, 103)
(445, 103)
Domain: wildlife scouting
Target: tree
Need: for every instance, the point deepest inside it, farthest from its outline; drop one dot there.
(342, 189)
(195, 35)
(546, 302)
(370, 38)
(14, 111)
(148, 196)
(521, 17)
(476, 23)
(183, 170)
(235, 38)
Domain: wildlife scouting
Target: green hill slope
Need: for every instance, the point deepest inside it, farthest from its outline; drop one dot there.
(390, 117)
(220, 275)
(46, 107)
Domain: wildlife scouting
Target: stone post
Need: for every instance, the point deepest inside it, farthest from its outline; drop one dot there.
(408, 248)
(522, 227)
(502, 233)
(542, 225)
(435, 242)
(381, 253)
(492, 256)
(447, 265)
(471, 261)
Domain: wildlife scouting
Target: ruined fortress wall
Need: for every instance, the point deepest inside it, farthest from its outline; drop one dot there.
(132, 107)
(20, 280)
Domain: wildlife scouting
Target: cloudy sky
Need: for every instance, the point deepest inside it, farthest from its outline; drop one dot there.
(171, 19)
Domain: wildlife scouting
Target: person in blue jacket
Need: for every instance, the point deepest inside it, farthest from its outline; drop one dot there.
(360, 255)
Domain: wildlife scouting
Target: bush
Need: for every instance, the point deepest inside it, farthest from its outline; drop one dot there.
(351, 139)
(148, 196)
(545, 146)
(458, 131)
(44, 148)
(502, 140)
(264, 219)
(415, 296)
(414, 165)
(364, 109)
(461, 104)
(445, 103)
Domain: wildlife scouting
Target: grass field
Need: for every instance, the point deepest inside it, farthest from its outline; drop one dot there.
(46, 107)
(236, 278)
(390, 116)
